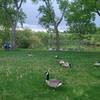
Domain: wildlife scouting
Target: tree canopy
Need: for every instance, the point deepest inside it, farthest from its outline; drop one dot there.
(49, 18)
(12, 13)
(79, 19)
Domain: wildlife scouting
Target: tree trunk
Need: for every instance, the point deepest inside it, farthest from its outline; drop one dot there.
(14, 35)
(51, 40)
(79, 40)
(57, 39)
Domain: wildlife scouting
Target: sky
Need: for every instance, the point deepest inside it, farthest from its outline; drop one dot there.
(31, 11)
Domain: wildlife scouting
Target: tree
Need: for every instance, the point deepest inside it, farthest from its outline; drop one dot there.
(91, 6)
(49, 18)
(98, 30)
(4, 23)
(80, 21)
(13, 12)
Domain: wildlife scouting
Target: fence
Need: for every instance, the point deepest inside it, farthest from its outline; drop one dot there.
(74, 45)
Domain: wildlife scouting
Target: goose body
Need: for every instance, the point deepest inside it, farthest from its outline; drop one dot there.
(30, 55)
(61, 49)
(61, 62)
(97, 63)
(54, 83)
(50, 49)
(66, 65)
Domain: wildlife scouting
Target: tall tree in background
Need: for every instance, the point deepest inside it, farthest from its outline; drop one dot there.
(91, 6)
(4, 22)
(13, 12)
(79, 19)
(49, 18)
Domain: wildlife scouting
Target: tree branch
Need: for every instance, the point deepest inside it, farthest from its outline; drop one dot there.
(48, 5)
(16, 3)
(61, 18)
(97, 11)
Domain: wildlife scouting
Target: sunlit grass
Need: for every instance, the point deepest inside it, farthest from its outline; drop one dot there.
(22, 77)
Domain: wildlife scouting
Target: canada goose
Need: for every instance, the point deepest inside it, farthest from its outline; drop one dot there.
(61, 62)
(56, 56)
(66, 65)
(97, 63)
(54, 83)
(30, 55)
(50, 49)
(61, 49)
(29, 52)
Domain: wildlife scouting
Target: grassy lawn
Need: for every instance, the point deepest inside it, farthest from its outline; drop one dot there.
(22, 77)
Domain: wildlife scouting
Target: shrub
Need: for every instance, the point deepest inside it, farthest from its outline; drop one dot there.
(26, 39)
(35, 42)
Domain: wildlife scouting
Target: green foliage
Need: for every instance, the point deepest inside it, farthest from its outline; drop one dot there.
(48, 14)
(96, 38)
(35, 42)
(91, 6)
(49, 19)
(4, 37)
(11, 14)
(44, 37)
(98, 30)
(63, 4)
(45, 20)
(0, 39)
(26, 39)
(0, 43)
(79, 19)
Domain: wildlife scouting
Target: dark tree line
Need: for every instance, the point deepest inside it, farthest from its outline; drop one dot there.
(78, 14)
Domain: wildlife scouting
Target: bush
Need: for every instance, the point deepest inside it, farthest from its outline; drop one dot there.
(43, 36)
(26, 39)
(35, 42)
(0, 43)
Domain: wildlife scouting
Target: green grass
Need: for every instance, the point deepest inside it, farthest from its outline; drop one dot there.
(22, 77)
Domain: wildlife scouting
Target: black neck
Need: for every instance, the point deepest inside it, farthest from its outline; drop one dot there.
(47, 76)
